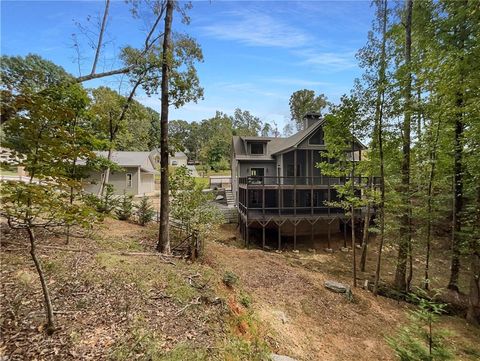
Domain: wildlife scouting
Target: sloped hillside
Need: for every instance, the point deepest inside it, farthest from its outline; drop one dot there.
(116, 300)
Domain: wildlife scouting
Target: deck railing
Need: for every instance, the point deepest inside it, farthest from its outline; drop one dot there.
(303, 181)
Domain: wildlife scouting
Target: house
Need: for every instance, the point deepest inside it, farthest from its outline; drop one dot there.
(278, 189)
(178, 159)
(136, 178)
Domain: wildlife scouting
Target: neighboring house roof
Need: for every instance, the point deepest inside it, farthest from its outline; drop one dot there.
(275, 145)
(130, 159)
(180, 155)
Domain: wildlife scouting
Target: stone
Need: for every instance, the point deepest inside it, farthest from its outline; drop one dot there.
(275, 357)
(219, 198)
(358, 246)
(281, 316)
(312, 250)
(296, 251)
(340, 288)
(344, 249)
(336, 286)
(328, 250)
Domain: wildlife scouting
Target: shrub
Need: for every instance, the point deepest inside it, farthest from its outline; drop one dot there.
(125, 208)
(145, 211)
(104, 204)
(420, 339)
(230, 279)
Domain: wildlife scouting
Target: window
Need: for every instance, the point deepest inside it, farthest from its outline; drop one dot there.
(256, 175)
(157, 159)
(257, 172)
(256, 148)
(316, 138)
(129, 180)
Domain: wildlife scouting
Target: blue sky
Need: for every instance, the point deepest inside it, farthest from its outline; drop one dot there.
(257, 53)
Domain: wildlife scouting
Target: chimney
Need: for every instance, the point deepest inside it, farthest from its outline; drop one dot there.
(310, 119)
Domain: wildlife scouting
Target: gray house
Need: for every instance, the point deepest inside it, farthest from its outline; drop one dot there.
(279, 190)
(136, 178)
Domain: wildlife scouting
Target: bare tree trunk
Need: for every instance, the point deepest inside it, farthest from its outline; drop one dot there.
(163, 244)
(473, 312)
(379, 121)
(46, 295)
(433, 157)
(366, 223)
(100, 36)
(458, 197)
(405, 219)
(354, 251)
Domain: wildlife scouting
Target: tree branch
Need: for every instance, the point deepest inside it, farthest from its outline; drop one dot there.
(100, 37)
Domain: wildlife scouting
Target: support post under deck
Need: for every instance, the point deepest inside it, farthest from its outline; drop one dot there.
(263, 235)
(295, 235)
(279, 237)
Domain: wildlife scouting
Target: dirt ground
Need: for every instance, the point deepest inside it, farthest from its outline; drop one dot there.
(114, 305)
(309, 322)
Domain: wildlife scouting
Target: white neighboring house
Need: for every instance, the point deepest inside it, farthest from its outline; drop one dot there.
(136, 178)
(138, 175)
(179, 159)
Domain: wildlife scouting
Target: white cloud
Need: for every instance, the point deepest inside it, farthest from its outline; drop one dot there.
(257, 29)
(295, 81)
(328, 61)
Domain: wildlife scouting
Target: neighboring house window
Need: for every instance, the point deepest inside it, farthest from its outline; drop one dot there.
(129, 180)
(316, 138)
(256, 148)
(157, 159)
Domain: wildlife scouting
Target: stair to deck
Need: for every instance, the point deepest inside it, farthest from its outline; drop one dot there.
(229, 198)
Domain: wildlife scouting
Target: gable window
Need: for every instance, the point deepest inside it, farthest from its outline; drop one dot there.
(256, 148)
(316, 138)
(129, 180)
(157, 159)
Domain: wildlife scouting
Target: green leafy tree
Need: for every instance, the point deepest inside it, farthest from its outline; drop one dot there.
(244, 123)
(191, 205)
(340, 131)
(47, 145)
(304, 101)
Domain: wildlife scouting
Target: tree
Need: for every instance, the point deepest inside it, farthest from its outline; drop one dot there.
(191, 205)
(44, 128)
(21, 76)
(163, 244)
(245, 124)
(420, 340)
(404, 248)
(304, 101)
(340, 129)
(145, 211)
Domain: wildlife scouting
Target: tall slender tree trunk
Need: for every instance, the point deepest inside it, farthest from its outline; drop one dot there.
(379, 124)
(366, 224)
(458, 197)
(473, 312)
(405, 219)
(433, 158)
(163, 244)
(46, 294)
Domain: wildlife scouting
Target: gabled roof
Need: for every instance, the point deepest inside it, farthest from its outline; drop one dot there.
(130, 159)
(276, 145)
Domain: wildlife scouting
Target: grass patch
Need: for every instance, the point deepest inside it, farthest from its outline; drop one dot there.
(142, 343)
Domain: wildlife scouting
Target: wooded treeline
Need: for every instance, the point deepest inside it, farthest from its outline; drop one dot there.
(418, 106)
